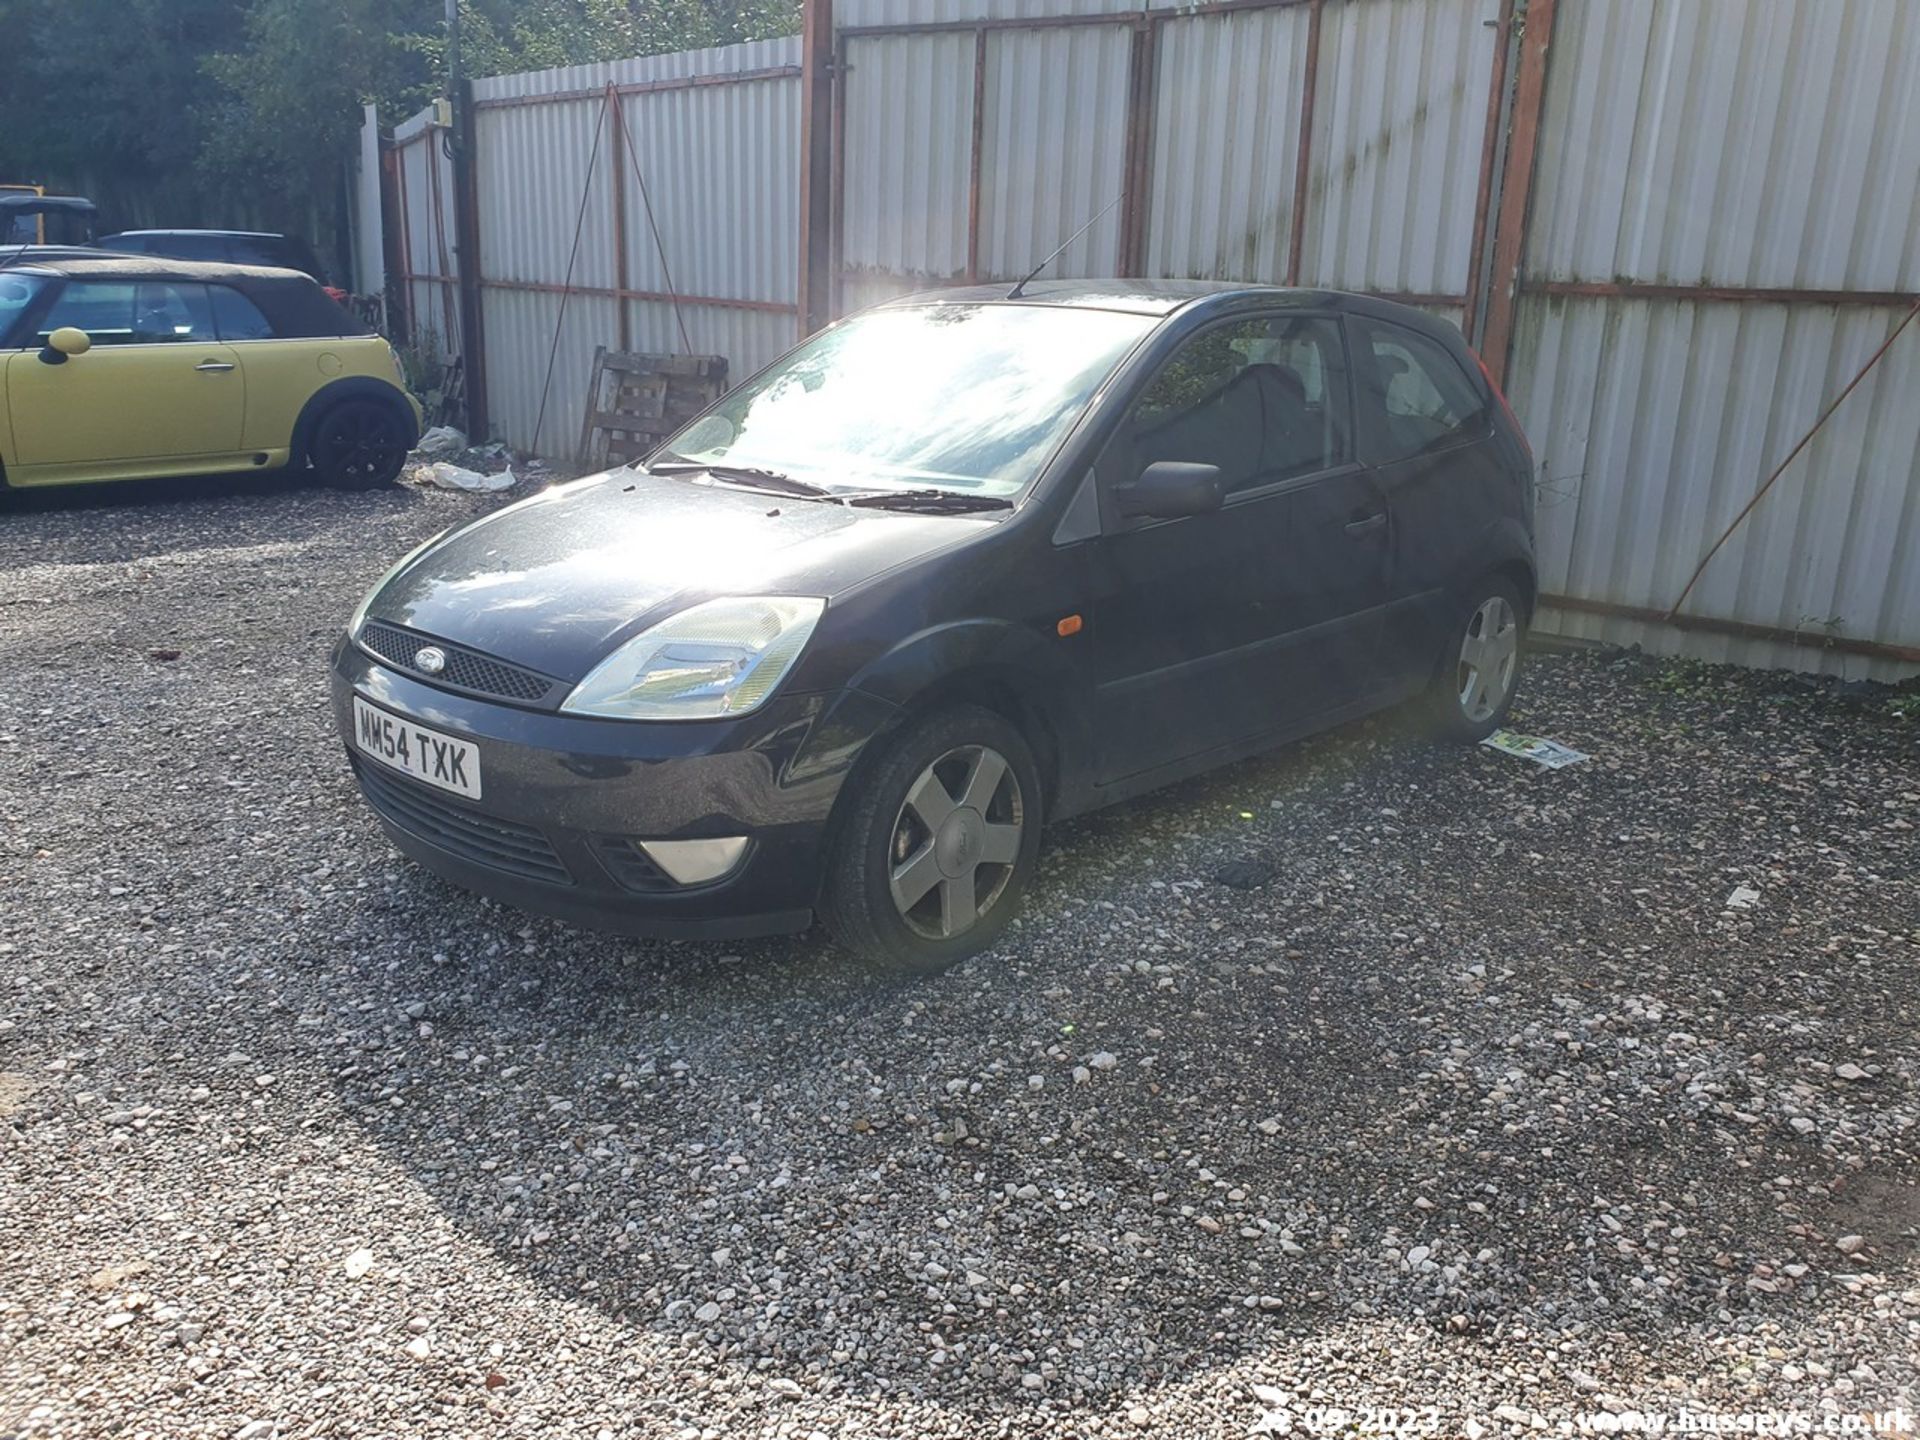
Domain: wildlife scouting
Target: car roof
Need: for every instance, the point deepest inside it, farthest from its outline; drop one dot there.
(48, 204)
(229, 234)
(293, 302)
(1159, 298)
(110, 264)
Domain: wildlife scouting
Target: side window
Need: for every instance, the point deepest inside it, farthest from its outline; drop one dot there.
(237, 317)
(124, 312)
(1420, 397)
(1262, 399)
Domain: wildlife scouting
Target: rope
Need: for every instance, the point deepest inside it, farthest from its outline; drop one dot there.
(1792, 455)
(566, 285)
(660, 249)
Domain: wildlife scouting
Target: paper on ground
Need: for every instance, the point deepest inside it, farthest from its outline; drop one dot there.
(454, 477)
(1550, 753)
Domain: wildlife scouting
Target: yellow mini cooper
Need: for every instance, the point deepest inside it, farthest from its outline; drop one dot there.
(117, 367)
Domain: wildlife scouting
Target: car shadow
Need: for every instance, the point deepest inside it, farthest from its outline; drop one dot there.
(1169, 1124)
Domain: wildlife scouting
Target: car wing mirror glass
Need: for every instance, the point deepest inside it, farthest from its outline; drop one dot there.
(1170, 489)
(67, 340)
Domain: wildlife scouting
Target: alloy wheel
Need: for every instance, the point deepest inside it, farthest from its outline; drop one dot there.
(1489, 653)
(955, 842)
(360, 444)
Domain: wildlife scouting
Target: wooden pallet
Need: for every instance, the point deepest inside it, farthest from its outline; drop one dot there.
(649, 398)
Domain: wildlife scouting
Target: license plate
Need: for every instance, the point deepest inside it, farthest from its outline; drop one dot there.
(417, 751)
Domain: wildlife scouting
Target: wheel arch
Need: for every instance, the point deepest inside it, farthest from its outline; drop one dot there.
(349, 387)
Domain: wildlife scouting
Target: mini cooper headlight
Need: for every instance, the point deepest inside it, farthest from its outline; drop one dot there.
(714, 660)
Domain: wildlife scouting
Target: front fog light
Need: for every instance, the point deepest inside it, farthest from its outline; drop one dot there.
(695, 862)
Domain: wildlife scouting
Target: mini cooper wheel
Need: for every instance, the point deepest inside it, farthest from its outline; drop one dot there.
(1480, 669)
(359, 444)
(939, 844)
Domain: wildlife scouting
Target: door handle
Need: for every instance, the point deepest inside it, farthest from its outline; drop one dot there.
(214, 366)
(1367, 524)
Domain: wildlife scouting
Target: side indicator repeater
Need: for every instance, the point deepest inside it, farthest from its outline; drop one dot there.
(1069, 625)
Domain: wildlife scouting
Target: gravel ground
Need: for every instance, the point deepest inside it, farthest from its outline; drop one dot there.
(1480, 1098)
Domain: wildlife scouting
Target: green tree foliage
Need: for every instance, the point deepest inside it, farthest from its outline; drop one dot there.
(243, 112)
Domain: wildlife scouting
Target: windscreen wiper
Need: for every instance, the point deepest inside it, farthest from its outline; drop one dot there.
(751, 476)
(931, 501)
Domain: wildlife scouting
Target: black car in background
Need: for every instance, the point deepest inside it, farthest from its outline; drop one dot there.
(232, 247)
(952, 568)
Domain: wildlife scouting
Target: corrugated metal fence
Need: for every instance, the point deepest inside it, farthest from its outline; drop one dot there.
(1676, 226)
(1725, 226)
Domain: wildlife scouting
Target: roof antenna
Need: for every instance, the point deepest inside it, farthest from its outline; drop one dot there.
(1015, 292)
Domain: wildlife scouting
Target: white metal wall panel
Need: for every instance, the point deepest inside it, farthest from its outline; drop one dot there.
(1654, 422)
(1400, 118)
(426, 200)
(369, 254)
(1053, 152)
(1226, 139)
(681, 65)
(520, 336)
(1738, 143)
(1732, 142)
(721, 166)
(909, 127)
(533, 176)
(849, 14)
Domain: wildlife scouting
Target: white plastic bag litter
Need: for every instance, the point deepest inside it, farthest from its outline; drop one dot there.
(441, 440)
(449, 476)
(1550, 753)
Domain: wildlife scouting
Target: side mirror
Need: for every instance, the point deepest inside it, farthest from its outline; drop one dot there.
(1170, 489)
(66, 341)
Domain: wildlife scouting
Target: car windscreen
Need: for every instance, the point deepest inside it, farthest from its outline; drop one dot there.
(970, 398)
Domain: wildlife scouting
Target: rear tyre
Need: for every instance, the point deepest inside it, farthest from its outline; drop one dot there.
(940, 843)
(1479, 670)
(359, 444)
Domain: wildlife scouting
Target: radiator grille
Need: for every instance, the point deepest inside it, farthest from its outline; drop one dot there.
(466, 669)
(503, 845)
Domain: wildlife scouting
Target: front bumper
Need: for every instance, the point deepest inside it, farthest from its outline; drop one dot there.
(565, 797)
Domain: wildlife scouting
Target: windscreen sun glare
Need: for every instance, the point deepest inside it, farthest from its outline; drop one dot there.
(962, 397)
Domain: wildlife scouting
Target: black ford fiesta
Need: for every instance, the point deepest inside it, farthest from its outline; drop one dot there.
(952, 568)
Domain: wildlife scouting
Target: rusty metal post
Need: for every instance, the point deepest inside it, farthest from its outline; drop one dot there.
(977, 143)
(1516, 188)
(620, 277)
(817, 181)
(466, 239)
(1489, 153)
(467, 250)
(393, 218)
(837, 239)
(1143, 58)
(1303, 160)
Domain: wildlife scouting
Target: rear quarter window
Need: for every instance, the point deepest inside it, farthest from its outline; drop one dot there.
(237, 317)
(1414, 395)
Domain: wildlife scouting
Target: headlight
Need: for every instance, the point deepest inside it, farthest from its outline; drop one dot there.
(714, 660)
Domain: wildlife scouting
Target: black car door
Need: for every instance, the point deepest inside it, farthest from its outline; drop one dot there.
(1426, 431)
(1217, 629)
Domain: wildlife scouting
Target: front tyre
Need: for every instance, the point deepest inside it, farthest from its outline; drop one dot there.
(358, 445)
(939, 845)
(1480, 670)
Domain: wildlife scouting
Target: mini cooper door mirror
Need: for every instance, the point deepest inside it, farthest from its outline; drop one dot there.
(1170, 489)
(65, 341)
